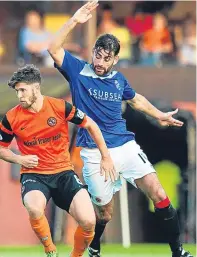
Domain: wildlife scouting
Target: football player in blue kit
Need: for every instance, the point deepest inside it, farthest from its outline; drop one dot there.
(98, 90)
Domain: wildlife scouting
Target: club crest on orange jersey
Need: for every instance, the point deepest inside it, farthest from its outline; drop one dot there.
(51, 121)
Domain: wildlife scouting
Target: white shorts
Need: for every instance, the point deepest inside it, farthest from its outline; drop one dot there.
(130, 163)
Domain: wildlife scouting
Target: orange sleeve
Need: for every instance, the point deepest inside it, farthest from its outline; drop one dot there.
(75, 115)
(83, 122)
(6, 133)
(71, 114)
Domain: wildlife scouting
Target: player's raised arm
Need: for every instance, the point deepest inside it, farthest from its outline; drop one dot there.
(81, 16)
(140, 103)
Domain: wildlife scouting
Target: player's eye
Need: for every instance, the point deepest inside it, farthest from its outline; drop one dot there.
(20, 90)
(107, 59)
(98, 56)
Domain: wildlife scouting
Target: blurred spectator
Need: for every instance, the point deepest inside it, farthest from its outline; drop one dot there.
(178, 34)
(156, 42)
(2, 50)
(118, 29)
(122, 33)
(53, 22)
(33, 41)
(107, 22)
(138, 23)
(187, 50)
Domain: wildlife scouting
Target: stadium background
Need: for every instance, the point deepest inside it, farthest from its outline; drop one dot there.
(168, 83)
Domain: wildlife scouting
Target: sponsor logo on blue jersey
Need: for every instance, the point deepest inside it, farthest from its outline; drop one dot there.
(104, 95)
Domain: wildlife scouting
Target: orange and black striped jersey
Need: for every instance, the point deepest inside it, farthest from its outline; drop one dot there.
(44, 133)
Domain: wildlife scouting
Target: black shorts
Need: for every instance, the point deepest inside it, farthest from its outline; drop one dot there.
(61, 187)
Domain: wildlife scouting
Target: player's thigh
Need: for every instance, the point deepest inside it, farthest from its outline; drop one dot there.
(81, 209)
(68, 184)
(101, 191)
(136, 163)
(152, 187)
(35, 194)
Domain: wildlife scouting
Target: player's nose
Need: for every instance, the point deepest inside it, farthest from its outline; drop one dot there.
(100, 63)
(19, 94)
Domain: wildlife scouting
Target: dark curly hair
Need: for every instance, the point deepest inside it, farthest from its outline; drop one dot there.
(28, 74)
(109, 43)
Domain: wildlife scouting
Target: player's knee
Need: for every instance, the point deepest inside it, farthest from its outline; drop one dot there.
(88, 224)
(35, 210)
(104, 214)
(105, 218)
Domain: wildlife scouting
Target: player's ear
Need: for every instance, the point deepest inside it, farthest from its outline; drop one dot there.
(37, 86)
(116, 59)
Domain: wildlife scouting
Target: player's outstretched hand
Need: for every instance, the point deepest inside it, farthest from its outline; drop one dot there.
(108, 169)
(28, 161)
(168, 120)
(84, 13)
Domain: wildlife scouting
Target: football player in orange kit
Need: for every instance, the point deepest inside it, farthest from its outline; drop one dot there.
(39, 125)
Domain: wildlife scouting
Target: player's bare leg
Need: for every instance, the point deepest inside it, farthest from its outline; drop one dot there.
(35, 203)
(81, 209)
(104, 215)
(151, 186)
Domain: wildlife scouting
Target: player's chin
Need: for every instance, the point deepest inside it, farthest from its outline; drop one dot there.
(24, 105)
(100, 72)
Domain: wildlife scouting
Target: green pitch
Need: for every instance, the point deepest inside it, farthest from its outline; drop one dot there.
(136, 250)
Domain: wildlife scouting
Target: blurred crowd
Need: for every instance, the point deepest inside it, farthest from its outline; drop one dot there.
(146, 38)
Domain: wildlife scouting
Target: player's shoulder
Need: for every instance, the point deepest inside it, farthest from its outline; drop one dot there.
(14, 112)
(70, 57)
(55, 103)
(54, 100)
(119, 75)
(55, 106)
(13, 116)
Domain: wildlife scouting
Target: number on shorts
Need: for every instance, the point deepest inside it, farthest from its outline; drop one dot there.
(78, 180)
(143, 157)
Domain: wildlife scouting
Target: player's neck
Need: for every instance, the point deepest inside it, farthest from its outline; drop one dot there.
(37, 106)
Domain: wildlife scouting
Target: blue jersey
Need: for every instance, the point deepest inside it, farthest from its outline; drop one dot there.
(100, 98)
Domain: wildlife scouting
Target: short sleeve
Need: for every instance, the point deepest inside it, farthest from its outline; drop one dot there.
(128, 92)
(71, 66)
(6, 133)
